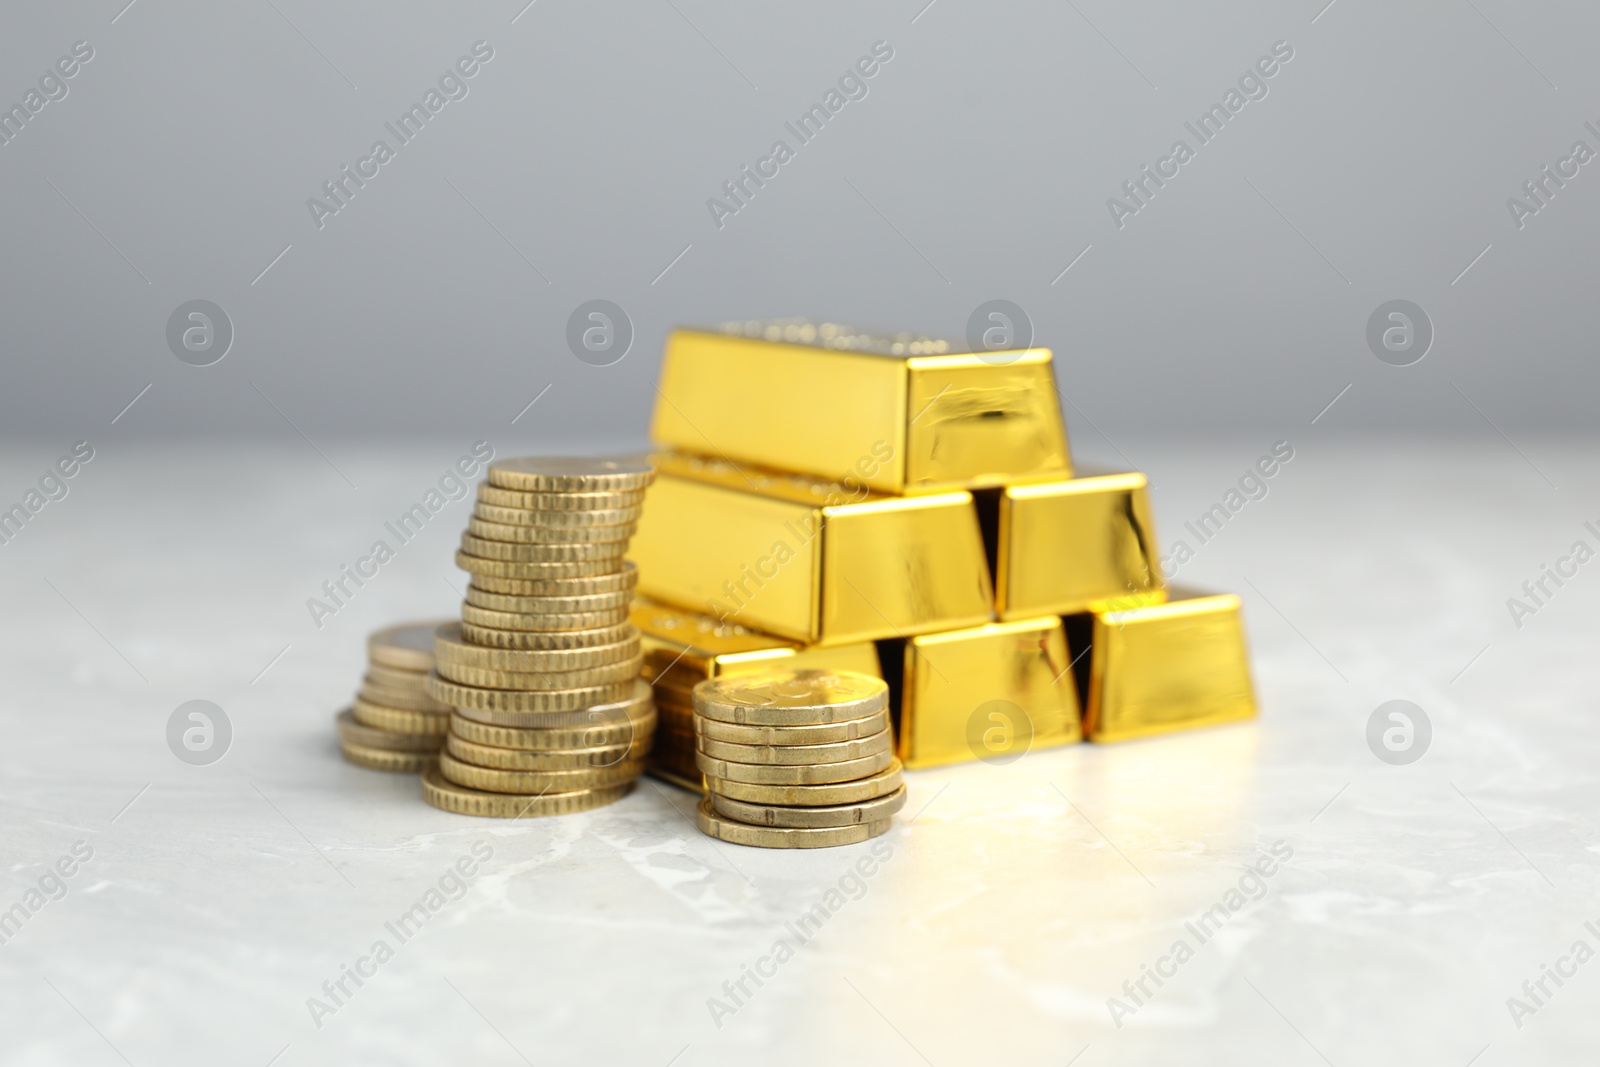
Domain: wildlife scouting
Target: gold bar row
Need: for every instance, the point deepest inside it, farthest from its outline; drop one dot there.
(814, 562)
(989, 692)
(894, 415)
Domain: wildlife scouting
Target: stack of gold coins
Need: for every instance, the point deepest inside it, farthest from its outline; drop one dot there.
(796, 758)
(394, 724)
(543, 670)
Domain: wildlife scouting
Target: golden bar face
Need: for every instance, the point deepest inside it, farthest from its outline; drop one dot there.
(897, 416)
(990, 692)
(682, 648)
(799, 558)
(1081, 544)
(1168, 667)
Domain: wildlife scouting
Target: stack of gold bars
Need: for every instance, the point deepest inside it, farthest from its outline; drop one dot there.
(796, 759)
(543, 670)
(394, 724)
(842, 501)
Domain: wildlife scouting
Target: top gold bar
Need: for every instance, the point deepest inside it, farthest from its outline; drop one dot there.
(898, 414)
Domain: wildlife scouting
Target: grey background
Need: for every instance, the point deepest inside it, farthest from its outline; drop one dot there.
(977, 167)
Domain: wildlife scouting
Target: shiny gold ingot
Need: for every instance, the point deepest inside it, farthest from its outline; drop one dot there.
(1081, 544)
(787, 555)
(682, 648)
(990, 692)
(1168, 667)
(896, 421)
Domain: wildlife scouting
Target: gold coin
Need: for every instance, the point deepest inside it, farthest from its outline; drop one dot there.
(406, 647)
(511, 498)
(555, 519)
(466, 698)
(799, 755)
(450, 648)
(394, 678)
(533, 570)
(498, 781)
(404, 699)
(632, 707)
(512, 620)
(881, 784)
(738, 833)
(382, 759)
(445, 794)
(627, 732)
(401, 720)
(866, 811)
(623, 580)
(591, 552)
(572, 759)
(487, 678)
(362, 735)
(550, 535)
(820, 734)
(791, 697)
(539, 605)
(547, 639)
(805, 774)
(576, 474)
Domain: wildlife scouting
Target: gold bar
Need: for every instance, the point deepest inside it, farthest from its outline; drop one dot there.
(895, 414)
(799, 558)
(1079, 544)
(682, 648)
(990, 692)
(1168, 667)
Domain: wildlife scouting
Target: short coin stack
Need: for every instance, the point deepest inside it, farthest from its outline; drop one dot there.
(543, 670)
(796, 758)
(394, 724)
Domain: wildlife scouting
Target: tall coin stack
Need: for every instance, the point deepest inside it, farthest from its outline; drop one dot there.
(543, 670)
(394, 724)
(796, 758)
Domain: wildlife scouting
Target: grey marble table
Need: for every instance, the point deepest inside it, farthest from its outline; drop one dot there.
(202, 914)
